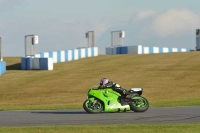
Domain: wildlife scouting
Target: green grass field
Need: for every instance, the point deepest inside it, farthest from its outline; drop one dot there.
(141, 128)
(171, 79)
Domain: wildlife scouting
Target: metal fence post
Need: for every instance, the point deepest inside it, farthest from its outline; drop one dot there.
(30, 41)
(117, 38)
(197, 39)
(90, 37)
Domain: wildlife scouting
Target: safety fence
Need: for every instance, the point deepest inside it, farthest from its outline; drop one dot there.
(28, 63)
(2, 67)
(45, 60)
(68, 55)
(142, 50)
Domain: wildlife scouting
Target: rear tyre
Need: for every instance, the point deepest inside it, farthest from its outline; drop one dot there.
(139, 104)
(92, 108)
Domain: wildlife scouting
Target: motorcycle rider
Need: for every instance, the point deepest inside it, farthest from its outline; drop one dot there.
(105, 83)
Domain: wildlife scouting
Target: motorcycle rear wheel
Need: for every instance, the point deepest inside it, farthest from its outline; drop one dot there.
(93, 109)
(139, 104)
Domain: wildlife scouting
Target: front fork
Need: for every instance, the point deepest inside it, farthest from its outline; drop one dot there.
(92, 102)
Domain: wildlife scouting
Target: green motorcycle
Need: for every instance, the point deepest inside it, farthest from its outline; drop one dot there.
(107, 100)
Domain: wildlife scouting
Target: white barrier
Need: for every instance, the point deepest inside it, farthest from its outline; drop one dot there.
(143, 50)
(29, 63)
(45, 60)
(69, 55)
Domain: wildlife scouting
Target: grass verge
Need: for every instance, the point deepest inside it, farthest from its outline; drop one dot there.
(141, 128)
(171, 79)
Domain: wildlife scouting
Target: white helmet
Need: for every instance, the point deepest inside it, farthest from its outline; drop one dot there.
(104, 81)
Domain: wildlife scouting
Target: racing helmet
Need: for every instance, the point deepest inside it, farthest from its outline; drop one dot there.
(103, 81)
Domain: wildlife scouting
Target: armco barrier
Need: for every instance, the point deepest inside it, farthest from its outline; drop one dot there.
(143, 50)
(46, 64)
(68, 55)
(45, 60)
(152, 50)
(23, 63)
(2, 67)
(29, 63)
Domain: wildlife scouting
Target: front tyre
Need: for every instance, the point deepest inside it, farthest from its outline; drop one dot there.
(139, 104)
(93, 107)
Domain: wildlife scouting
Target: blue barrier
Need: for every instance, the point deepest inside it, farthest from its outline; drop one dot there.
(68, 55)
(46, 64)
(23, 64)
(36, 63)
(45, 60)
(124, 50)
(2, 67)
(143, 50)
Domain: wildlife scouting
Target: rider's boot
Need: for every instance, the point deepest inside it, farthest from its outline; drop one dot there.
(128, 95)
(124, 93)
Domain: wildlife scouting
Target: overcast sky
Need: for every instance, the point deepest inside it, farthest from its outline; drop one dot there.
(62, 24)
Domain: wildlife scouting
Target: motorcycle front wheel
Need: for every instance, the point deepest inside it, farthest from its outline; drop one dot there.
(93, 107)
(139, 104)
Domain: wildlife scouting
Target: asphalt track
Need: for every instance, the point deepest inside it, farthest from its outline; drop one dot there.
(80, 117)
